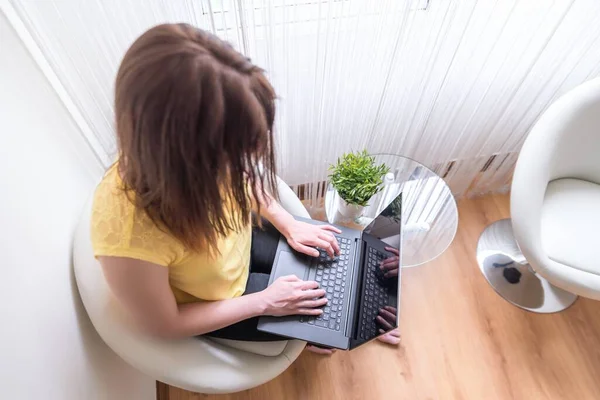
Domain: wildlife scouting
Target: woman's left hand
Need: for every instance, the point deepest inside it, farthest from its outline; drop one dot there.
(304, 237)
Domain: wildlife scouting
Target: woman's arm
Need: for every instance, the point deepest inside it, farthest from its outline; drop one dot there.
(301, 236)
(143, 289)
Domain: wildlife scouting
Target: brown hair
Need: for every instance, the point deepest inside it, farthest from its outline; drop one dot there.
(194, 123)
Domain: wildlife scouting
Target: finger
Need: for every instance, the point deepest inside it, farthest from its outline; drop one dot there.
(332, 241)
(320, 243)
(391, 274)
(309, 311)
(391, 309)
(325, 245)
(390, 260)
(394, 332)
(307, 285)
(388, 316)
(386, 325)
(290, 278)
(388, 268)
(310, 251)
(330, 251)
(319, 350)
(389, 337)
(313, 303)
(312, 294)
(387, 265)
(392, 250)
(330, 228)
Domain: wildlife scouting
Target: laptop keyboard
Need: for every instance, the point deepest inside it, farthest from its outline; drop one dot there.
(375, 296)
(331, 276)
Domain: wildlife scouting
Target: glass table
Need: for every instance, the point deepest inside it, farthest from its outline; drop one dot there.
(429, 213)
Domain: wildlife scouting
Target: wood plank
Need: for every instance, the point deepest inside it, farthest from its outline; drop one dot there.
(459, 340)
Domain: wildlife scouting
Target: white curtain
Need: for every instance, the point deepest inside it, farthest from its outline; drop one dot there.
(455, 85)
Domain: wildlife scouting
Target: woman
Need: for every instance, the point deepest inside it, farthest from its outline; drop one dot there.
(171, 222)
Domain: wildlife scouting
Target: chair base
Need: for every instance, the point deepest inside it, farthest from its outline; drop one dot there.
(503, 265)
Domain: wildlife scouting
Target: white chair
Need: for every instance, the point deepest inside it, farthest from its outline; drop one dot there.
(555, 210)
(197, 364)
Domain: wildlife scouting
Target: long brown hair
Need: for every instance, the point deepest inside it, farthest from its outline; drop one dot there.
(194, 122)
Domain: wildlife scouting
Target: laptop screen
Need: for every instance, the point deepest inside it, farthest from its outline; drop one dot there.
(378, 308)
(386, 226)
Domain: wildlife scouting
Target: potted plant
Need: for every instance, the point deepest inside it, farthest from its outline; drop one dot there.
(356, 178)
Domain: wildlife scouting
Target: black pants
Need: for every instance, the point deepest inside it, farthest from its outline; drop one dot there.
(262, 255)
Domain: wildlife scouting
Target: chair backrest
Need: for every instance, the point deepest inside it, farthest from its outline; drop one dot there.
(564, 143)
(195, 364)
(570, 129)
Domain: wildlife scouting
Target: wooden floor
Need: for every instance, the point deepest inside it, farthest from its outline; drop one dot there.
(459, 341)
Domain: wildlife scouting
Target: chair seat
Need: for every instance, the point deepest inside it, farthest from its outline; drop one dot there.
(570, 224)
(269, 349)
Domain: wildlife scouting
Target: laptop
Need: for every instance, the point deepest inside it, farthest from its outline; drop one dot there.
(363, 300)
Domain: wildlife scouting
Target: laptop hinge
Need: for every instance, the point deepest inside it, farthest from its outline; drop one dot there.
(355, 280)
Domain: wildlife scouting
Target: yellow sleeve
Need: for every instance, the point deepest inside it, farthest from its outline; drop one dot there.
(118, 229)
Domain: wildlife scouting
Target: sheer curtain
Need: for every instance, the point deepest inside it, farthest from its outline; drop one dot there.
(455, 85)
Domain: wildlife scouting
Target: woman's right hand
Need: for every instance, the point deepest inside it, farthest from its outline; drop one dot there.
(289, 295)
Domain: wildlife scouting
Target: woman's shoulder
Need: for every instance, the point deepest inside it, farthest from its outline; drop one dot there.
(110, 200)
(112, 212)
(118, 228)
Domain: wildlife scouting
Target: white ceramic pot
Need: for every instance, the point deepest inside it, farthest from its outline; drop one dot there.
(352, 211)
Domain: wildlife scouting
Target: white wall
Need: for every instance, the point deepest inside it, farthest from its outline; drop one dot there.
(462, 80)
(48, 348)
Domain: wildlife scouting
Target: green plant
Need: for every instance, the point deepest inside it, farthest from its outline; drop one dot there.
(356, 177)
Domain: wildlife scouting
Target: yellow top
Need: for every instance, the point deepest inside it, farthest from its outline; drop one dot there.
(120, 229)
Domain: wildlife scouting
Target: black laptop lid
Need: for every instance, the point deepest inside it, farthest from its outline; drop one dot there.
(387, 225)
(382, 317)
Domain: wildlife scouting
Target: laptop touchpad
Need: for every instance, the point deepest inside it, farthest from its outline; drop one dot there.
(289, 264)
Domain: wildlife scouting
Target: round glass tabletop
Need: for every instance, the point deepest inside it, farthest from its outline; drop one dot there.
(429, 213)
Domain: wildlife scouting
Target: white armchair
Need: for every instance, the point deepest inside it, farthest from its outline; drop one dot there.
(555, 210)
(197, 364)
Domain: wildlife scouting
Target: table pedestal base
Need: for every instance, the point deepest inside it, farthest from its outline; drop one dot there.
(506, 270)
